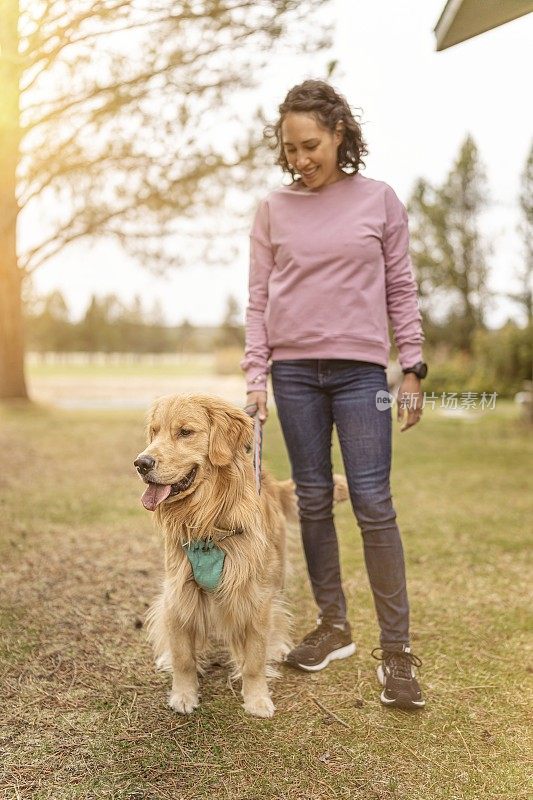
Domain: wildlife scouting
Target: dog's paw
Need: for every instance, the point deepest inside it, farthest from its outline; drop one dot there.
(184, 702)
(261, 706)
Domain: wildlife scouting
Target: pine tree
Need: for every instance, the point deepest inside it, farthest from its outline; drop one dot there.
(524, 297)
(449, 254)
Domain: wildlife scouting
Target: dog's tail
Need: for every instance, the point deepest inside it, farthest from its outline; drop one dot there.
(289, 502)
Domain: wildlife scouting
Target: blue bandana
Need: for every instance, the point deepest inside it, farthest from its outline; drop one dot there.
(207, 562)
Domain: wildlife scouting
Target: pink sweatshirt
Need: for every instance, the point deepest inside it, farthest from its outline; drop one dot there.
(328, 268)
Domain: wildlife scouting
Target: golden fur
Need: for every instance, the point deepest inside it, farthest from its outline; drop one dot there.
(246, 612)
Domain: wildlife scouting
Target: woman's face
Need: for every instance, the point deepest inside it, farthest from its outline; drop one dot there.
(310, 149)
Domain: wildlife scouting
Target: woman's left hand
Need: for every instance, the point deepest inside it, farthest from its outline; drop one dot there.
(409, 401)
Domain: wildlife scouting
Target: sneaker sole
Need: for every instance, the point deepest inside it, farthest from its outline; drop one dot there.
(405, 703)
(335, 655)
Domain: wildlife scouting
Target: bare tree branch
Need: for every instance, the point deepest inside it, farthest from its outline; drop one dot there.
(92, 109)
(120, 88)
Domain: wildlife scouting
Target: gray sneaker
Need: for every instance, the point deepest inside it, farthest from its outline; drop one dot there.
(327, 642)
(397, 675)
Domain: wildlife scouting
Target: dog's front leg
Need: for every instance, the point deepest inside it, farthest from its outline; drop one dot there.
(184, 695)
(254, 685)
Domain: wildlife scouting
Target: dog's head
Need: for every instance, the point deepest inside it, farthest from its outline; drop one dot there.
(188, 436)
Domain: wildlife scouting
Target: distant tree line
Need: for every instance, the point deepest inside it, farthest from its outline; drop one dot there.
(110, 325)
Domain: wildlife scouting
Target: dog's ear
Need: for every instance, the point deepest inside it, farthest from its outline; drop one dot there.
(148, 423)
(231, 432)
(149, 419)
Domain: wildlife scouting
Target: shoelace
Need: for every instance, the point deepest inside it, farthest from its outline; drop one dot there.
(398, 661)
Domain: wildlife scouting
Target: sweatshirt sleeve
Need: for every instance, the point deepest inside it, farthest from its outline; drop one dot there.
(401, 289)
(257, 351)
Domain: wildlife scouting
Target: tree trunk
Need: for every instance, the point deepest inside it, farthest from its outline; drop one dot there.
(12, 380)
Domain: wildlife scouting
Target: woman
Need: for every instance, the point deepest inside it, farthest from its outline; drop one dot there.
(329, 266)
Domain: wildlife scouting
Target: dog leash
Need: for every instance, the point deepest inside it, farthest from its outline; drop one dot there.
(251, 409)
(258, 451)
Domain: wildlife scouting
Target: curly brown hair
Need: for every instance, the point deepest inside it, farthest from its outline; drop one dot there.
(328, 107)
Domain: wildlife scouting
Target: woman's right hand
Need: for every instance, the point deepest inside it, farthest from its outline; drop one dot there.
(256, 403)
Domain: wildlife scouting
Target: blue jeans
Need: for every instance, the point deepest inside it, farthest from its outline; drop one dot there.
(310, 396)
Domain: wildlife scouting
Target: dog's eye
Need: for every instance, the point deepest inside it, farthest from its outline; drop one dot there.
(185, 432)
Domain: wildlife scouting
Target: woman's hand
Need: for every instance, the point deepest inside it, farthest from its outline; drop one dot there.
(256, 403)
(409, 401)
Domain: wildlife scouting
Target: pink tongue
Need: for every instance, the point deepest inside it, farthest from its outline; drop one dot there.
(155, 494)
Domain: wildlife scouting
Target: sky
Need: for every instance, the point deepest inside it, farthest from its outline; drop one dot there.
(417, 107)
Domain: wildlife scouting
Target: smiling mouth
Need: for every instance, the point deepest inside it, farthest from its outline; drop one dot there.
(157, 492)
(185, 482)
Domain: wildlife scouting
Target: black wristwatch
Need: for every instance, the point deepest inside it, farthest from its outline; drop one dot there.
(420, 369)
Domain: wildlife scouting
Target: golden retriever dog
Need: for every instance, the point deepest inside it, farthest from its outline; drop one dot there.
(198, 467)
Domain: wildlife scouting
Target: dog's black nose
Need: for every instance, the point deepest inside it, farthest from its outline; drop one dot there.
(144, 464)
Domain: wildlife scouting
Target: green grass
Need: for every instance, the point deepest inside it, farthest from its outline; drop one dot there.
(83, 712)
